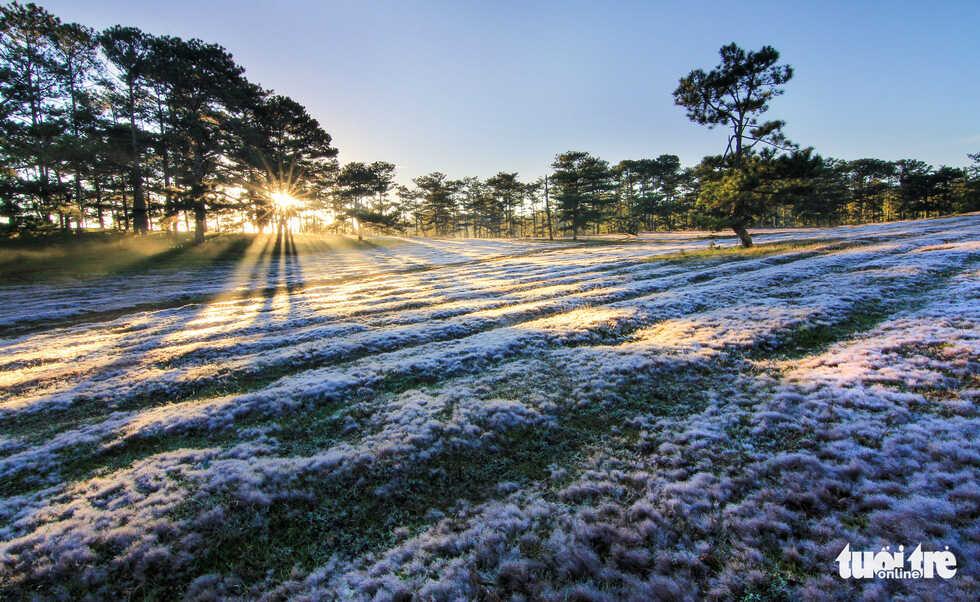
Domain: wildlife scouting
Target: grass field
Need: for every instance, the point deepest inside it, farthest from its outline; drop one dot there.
(295, 417)
(96, 255)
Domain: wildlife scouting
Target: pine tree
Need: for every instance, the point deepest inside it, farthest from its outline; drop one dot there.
(735, 94)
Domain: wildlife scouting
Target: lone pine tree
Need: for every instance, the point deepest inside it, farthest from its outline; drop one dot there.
(735, 94)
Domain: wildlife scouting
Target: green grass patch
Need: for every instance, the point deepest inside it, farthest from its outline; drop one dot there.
(735, 253)
(110, 255)
(95, 256)
(864, 316)
(814, 338)
(311, 428)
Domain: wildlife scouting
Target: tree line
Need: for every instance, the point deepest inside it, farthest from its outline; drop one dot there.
(123, 129)
(127, 131)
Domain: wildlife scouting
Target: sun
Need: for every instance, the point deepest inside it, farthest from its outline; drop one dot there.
(283, 200)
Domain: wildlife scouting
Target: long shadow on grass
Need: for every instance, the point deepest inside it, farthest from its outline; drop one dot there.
(863, 316)
(252, 379)
(233, 253)
(805, 340)
(317, 426)
(51, 421)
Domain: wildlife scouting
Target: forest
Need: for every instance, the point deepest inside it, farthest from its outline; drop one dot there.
(125, 131)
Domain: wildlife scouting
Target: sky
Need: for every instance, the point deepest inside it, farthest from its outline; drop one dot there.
(473, 88)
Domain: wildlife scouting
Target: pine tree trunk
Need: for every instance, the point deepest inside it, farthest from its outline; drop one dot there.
(743, 235)
(547, 209)
(98, 203)
(197, 196)
(125, 207)
(200, 220)
(140, 217)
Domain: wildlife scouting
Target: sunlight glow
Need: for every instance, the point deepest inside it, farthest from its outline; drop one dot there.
(284, 201)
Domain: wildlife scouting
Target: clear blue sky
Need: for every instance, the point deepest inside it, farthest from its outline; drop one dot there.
(472, 88)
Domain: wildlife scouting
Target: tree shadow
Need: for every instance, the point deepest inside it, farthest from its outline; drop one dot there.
(294, 273)
(134, 352)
